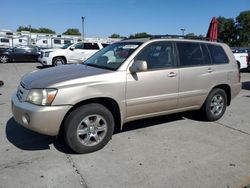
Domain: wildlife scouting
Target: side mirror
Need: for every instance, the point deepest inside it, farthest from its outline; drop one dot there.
(72, 48)
(138, 66)
(1, 83)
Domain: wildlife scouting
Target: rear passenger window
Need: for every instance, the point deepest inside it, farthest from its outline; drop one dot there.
(206, 55)
(218, 55)
(190, 54)
(91, 46)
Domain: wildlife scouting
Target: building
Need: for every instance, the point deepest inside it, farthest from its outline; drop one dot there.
(9, 38)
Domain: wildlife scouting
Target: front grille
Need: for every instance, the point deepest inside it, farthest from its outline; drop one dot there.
(22, 92)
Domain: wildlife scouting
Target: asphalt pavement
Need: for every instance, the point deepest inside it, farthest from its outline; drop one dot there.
(175, 151)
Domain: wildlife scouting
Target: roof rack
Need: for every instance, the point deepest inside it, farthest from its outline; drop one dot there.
(179, 37)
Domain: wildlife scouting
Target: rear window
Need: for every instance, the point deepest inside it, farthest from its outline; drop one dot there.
(218, 55)
(91, 46)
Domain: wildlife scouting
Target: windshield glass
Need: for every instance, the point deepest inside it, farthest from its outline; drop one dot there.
(66, 46)
(113, 55)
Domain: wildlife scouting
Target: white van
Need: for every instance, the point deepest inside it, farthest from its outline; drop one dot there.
(70, 53)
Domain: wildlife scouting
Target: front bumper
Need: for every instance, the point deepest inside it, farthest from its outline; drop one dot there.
(42, 119)
(45, 60)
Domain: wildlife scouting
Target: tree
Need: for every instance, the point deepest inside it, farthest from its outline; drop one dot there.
(72, 31)
(34, 30)
(115, 36)
(140, 35)
(45, 30)
(227, 30)
(243, 28)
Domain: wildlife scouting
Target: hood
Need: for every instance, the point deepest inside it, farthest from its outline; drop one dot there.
(53, 77)
(51, 50)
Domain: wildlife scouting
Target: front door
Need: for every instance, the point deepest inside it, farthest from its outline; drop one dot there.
(155, 91)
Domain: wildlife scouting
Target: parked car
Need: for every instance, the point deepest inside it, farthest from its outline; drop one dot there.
(20, 53)
(70, 53)
(242, 59)
(126, 81)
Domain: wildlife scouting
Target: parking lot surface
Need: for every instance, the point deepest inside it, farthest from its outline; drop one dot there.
(172, 151)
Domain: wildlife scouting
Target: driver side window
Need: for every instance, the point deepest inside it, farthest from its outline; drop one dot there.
(158, 55)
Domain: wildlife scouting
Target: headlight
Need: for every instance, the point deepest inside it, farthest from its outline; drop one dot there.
(46, 54)
(41, 96)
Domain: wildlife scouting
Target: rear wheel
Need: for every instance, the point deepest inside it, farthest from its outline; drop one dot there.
(57, 61)
(215, 105)
(4, 59)
(88, 128)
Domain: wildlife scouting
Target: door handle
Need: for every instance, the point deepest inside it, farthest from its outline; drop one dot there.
(172, 74)
(209, 70)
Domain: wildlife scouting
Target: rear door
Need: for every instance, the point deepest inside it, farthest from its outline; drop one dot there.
(154, 91)
(196, 74)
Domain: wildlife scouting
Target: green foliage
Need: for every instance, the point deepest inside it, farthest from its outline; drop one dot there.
(34, 30)
(72, 31)
(115, 36)
(243, 27)
(139, 35)
(227, 30)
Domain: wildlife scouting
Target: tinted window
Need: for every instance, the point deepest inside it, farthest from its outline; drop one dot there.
(67, 41)
(19, 50)
(190, 54)
(104, 45)
(57, 41)
(20, 40)
(218, 55)
(206, 56)
(158, 55)
(91, 46)
(79, 46)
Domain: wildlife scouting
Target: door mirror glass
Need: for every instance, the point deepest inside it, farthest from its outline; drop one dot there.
(138, 66)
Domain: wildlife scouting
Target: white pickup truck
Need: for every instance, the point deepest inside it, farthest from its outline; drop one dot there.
(70, 53)
(242, 59)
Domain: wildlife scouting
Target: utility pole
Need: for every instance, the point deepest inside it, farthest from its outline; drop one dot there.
(83, 18)
(183, 31)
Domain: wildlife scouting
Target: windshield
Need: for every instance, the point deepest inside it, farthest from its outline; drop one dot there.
(66, 46)
(113, 55)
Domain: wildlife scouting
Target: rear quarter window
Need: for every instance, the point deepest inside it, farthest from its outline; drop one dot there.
(218, 54)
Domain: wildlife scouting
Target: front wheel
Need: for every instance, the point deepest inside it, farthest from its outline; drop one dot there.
(88, 128)
(215, 105)
(4, 59)
(58, 61)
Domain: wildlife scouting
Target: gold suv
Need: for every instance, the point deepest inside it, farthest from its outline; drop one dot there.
(126, 81)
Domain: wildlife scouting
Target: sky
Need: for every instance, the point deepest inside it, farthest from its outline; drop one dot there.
(124, 17)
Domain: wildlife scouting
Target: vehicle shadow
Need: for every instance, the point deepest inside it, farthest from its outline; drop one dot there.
(42, 67)
(246, 85)
(144, 123)
(25, 139)
(28, 140)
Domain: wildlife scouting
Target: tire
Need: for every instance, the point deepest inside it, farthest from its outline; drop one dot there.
(58, 61)
(215, 105)
(88, 128)
(4, 59)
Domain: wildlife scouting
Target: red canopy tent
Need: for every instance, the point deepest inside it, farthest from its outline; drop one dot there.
(212, 32)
